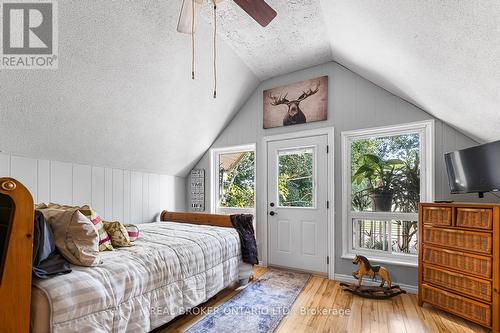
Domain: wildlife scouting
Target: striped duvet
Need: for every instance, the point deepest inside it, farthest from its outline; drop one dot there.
(172, 268)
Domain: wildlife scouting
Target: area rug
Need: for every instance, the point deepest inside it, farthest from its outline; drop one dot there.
(259, 308)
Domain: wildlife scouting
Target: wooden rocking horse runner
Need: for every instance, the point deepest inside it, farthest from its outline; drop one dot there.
(366, 269)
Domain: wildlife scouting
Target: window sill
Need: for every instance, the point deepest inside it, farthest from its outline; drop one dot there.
(411, 262)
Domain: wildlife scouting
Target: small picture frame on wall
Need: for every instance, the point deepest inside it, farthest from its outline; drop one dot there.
(198, 190)
(298, 103)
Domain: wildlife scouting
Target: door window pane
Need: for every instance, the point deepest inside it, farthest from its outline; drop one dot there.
(385, 173)
(296, 178)
(236, 180)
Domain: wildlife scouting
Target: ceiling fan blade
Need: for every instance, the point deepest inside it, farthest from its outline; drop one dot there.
(259, 10)
(185, 19)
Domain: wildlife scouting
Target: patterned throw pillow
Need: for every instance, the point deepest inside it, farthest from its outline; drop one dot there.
(74, 235)
(133, 231)
(104, 240)
(117, 233)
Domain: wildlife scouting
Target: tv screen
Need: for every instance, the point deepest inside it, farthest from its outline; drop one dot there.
(475, 169)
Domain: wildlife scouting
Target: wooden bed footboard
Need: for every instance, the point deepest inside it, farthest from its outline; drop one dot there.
(198, 218)
(16, 251)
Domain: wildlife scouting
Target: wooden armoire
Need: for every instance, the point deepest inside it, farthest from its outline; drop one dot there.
(459, 260)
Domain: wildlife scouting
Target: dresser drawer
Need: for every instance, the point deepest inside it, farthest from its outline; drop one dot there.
(477, 218)
(464, 307)
(459, 239)
(461, 261)
(460, 283)
(437, 215)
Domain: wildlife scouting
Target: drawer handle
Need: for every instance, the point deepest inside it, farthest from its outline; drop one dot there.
(452, 252)
(473, 210)
(455, 231)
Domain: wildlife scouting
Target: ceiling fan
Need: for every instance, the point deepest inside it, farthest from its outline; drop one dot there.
(259, 10)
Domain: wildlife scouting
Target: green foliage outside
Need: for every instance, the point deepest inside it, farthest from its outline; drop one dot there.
(400, 160)
(296, 180)
(238, 184)
(400, 152)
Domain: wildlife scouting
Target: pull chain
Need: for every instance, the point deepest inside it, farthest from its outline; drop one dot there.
(192, 39)
(215, 49)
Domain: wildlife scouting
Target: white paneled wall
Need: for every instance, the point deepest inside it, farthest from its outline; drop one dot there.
(122, 195)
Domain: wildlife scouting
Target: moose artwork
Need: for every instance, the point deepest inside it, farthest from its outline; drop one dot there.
(298, 103)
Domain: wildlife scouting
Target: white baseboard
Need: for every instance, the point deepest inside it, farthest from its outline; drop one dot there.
(350, 279)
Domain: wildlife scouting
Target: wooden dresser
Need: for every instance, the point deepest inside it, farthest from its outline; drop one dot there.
(459, 260)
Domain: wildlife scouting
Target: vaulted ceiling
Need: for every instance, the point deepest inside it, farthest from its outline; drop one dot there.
(441, 55)
(123, 97)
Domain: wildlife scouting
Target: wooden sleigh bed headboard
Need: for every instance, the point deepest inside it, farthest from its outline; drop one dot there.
(16, 250)
(198, 218)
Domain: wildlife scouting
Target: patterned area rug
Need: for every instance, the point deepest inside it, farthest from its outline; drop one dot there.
(259, 308)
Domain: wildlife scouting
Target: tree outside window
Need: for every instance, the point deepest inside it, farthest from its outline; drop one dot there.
(237, 180)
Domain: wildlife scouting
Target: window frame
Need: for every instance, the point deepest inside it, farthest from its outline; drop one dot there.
(426, 131)
(214, 179)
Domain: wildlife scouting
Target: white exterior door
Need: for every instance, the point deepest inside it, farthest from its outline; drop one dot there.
(297, 171)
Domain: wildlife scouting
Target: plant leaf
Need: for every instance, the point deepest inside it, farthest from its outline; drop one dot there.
(371, 158)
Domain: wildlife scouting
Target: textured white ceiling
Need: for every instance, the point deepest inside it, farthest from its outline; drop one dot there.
(123, 95)
(442, 55)
(297, 38)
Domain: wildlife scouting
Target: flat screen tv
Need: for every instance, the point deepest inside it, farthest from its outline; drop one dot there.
(474, 170)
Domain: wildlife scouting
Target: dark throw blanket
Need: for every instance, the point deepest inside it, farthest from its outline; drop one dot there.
(46, 260)
(243, 224)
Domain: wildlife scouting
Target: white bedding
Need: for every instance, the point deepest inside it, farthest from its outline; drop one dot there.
(172, 267)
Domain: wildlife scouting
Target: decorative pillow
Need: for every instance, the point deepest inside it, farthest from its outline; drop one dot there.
(117, 233)
(133, 232)
(104, 240)
(75, 236)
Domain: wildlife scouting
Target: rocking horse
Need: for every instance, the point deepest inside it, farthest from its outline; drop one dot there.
(366, 269)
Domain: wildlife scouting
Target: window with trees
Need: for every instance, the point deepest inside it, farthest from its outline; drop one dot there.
(387, 172)
(296, 178)
(233, 171)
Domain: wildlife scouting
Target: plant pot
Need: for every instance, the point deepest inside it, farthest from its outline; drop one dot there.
(382, 201)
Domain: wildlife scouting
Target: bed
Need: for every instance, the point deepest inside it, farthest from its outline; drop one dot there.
(175, 265)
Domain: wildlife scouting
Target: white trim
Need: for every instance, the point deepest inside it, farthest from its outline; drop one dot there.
(384, 258)
(427, 144)
(411, 289)
(262, 204)
(215, 182)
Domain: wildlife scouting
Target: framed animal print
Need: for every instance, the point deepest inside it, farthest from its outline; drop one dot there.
(297, 103)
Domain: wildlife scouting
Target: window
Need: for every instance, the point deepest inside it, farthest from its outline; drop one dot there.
(233, 176)
(296, 178)
(386, 173)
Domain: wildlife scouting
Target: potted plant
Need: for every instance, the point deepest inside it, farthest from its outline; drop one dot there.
(380, 176)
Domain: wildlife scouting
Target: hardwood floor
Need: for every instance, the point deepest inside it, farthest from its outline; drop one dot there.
(399, 315)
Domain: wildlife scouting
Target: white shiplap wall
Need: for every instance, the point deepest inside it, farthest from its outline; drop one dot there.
(122, 195)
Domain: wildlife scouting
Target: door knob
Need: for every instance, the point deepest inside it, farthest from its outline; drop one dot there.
(272, 213)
